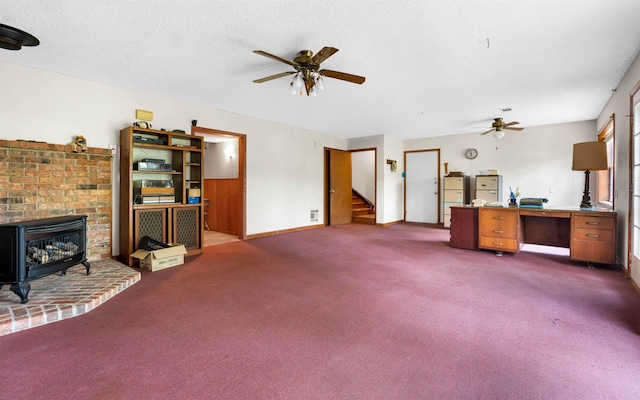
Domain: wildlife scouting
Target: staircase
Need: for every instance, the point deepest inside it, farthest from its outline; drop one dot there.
(362, 211)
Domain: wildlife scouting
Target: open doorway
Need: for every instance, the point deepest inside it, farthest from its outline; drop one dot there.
(223, 193)
(363, 181)
(350, 186)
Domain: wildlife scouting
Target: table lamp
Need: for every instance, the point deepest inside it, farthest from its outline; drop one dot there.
(589, 156)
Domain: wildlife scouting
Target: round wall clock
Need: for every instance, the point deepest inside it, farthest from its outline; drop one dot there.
(471, 154)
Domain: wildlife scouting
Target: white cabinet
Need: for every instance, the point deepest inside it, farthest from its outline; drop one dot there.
(456, 193)
(489, 188)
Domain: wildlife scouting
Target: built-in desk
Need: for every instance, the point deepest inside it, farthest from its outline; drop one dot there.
(589, 235)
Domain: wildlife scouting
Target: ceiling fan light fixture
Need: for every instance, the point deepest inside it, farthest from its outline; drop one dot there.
(319, 82)
(13, 39)
(308, 77)
(298, 82)
(498, 134)
(293, 90)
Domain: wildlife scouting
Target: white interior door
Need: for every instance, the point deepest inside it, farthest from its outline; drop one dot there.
(422, 186)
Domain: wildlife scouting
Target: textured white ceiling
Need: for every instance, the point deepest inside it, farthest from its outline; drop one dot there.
(432, 67)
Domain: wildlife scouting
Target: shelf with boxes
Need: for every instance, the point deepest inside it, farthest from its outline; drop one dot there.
(161, 176)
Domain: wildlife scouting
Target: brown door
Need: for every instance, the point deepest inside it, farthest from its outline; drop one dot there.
(339, 185)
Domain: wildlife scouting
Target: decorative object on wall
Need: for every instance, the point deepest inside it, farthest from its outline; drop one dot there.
(79, 145)
(13, 39)
(144, 115)
(142, 124)
(589, 156)
(393, 164)
(307, 72)
(471, 154)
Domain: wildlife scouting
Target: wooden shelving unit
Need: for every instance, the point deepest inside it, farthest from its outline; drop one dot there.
(178, 221)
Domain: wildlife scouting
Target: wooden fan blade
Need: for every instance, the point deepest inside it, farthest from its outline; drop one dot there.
(489, 131)
(342, 75)
(308, 84)
(512, 129)
(511, 123)
(276, 76)
(283, 60)
(323, 54)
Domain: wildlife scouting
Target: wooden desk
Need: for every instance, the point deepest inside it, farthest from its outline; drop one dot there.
(464, 227)
(589, 235)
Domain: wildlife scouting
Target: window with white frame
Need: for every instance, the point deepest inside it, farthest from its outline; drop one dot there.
(605, 178)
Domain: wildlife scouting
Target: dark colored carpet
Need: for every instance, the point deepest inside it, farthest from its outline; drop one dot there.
(346, 312)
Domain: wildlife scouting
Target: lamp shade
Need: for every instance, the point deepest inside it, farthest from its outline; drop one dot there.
(590, 156)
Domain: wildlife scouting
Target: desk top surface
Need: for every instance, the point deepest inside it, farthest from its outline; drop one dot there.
(545, 209)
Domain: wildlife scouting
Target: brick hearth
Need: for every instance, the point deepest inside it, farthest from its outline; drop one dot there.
(55, 297)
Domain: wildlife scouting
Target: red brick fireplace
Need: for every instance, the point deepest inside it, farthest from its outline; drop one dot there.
(40, 180)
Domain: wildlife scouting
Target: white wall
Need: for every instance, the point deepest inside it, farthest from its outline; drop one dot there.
(284, 164)
(363, 173)
(389, 185)
(537, 160)
(221, 159)
(620, 105)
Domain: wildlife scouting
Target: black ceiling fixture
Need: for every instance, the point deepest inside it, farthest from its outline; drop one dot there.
(13, 39)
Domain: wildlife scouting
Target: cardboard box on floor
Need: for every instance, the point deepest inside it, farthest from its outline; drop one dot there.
(160, 259)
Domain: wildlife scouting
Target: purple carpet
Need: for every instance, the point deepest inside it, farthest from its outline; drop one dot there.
(346, 312)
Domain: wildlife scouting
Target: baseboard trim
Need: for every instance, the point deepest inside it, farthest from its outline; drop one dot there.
(388, 223)
(272, 233)
(633, 283)
(304, 228)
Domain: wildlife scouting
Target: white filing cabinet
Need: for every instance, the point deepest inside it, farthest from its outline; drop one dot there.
(489, 188)
(456, 193)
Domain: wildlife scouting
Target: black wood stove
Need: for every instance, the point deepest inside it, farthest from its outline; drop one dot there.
(35, 248)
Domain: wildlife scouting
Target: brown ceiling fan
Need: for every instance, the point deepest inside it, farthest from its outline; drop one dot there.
(308, 74)
(499, 126)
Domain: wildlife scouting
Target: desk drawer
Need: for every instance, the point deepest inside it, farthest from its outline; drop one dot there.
(502, 232)
(594, 251)
(490, 196)
(497, 243)
(454, 182)
(593, 235)
(498, 223)
(593, 238)
(584, 221)
(487, 182)
(454, 196)
(545, 213)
